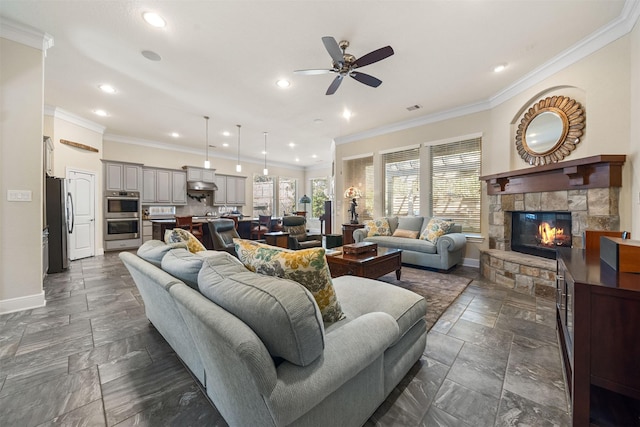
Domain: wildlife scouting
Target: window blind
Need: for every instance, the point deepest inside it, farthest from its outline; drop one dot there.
(455, 184)
(402, 182)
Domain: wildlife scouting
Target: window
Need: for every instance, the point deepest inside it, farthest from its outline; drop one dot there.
(286, 195)
(455, 183)
(402, 182)
(263, 195)
(359, 173)
(319, 194)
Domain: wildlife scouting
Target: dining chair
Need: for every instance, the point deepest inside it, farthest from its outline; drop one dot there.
(187, 223)
(263, 225)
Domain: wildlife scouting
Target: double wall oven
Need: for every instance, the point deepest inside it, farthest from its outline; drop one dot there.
(122, 215)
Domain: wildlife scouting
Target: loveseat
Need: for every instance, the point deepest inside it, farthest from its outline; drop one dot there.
(410, 233)
(259, 346)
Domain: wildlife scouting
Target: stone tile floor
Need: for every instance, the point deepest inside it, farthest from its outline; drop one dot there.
(91, 358)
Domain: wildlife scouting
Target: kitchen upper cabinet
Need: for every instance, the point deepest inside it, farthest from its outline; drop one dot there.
(122, 176)
(164, 186)
(235, 190)
(179, 188)
(220, 195)
(200, 174)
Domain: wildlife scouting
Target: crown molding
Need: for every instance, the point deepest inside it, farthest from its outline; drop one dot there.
(25, 35)
(173, 147)
(618, 28)
(61, 114)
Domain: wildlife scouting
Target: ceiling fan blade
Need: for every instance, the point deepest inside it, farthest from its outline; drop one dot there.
(312, 72)
(334, 85)
(334, 50)
(366, 79)
(375, 56)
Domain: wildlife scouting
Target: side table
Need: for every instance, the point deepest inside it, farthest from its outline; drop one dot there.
(347, 232)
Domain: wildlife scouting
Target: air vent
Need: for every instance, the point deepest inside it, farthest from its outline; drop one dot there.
(414, 107)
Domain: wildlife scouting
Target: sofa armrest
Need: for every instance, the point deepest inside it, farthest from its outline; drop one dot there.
(348, 350)
(451, 242)
(359, 234)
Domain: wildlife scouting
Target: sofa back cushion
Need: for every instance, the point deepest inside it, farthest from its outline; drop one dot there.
(411, 223)
(154, 250)
(281, 312)
(307, 266)
(184, 265)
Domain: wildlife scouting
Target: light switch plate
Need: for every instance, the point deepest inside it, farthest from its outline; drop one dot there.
(19, 195)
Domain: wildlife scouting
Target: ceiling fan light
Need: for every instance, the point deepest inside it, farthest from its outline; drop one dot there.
(282, 83)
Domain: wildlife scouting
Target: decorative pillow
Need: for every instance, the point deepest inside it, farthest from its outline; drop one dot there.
(434, 229)
(154, 250)
(307, 266)
(378, 227)
(181, 235)
(405, 233)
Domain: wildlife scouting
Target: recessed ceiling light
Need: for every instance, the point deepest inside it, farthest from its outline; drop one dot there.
(264, 152)
(313, 156)
(346, 114)
(154, 19)
(291, 144)
(226, 133)
(224, 144)
(175, 134)
(151, 55)
(100, 113)
(297, 159)
(283, 83)
(499, 68)
(107, 88)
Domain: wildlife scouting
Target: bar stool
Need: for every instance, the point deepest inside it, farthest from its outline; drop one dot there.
(187, 223)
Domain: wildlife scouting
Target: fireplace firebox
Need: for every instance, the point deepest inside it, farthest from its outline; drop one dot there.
(540, 233)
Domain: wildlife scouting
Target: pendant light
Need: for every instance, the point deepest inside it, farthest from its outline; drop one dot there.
(265, 171)
(207, 163)
(238, 165)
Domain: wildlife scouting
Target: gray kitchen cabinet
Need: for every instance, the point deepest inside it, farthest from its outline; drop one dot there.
(220, 195)
(121, 176)
(200, 174)
(179, 188)
(235, 186)
(164, 186)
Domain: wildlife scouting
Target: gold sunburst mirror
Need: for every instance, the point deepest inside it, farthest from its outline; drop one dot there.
(550, 130)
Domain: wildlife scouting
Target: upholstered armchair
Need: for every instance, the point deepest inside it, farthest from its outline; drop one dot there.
(223, 231)
(296, 226)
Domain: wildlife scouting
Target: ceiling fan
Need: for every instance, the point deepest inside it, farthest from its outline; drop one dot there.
(345, 64)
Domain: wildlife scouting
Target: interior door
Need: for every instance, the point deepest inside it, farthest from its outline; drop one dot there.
(82, 231)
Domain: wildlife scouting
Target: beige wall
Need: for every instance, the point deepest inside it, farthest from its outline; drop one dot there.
(602, 82)
(66, 157)
(634, 142)
(21, 97)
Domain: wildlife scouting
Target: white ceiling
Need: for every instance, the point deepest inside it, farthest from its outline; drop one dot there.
(222, 59)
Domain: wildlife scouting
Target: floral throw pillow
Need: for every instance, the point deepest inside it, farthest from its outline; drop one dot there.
(180, 235)
(307, 266)
(434, 229)
(378, 227)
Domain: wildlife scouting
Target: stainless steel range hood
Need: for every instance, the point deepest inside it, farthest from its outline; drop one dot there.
(200, 185)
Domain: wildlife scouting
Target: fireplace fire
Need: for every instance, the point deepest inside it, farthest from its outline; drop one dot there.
(540, 233)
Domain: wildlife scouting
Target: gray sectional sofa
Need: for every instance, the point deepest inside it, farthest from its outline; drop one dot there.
(448, 250)
(258, 344)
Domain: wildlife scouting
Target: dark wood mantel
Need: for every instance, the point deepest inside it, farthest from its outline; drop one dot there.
(600, 171)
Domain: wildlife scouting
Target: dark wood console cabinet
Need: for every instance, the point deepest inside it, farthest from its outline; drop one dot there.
(598, 317)
(347, 232)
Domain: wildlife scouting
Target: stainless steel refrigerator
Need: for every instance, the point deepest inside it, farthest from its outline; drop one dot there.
(60, 223)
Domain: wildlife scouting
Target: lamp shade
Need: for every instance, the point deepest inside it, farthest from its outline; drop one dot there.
(352, 193)
(305, 199)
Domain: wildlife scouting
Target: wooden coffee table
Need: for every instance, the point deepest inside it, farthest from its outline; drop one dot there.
(370, 266)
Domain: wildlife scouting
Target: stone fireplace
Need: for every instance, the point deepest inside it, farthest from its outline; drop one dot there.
(587, 189)
(540, 233)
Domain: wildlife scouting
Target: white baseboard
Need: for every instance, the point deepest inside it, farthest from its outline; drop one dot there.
(99, 251)
(471, 262)
(22, 303)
